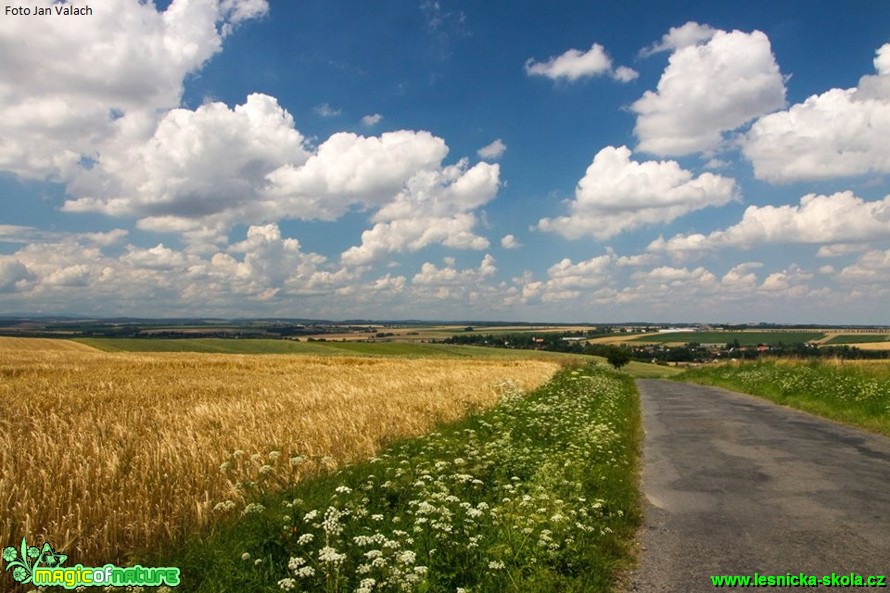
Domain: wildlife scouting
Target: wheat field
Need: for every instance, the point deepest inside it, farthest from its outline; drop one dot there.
(110, 454)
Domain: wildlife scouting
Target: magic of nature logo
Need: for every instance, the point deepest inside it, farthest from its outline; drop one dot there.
(44, 567)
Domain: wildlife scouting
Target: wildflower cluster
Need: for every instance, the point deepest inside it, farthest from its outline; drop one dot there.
(534, 493)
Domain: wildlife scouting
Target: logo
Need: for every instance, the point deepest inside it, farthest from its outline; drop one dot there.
(43, 567)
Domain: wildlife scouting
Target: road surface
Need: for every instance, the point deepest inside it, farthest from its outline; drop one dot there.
(737, 485)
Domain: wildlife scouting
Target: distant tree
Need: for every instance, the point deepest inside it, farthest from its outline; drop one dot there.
(618, 357)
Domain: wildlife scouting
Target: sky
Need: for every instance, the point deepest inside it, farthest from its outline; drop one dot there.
(570, 161)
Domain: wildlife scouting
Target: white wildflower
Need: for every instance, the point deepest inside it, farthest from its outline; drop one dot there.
(330, 556)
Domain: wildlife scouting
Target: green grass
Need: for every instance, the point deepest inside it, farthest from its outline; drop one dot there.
(263, 346)
(857, 394)
(744, 338)
(537, 494)
(858, 339)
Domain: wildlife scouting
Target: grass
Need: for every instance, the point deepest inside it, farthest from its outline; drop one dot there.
(744, 338)
(536, 494)
(109, 454)
(857, 394)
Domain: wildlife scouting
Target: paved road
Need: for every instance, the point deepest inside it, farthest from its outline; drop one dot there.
(737, 485)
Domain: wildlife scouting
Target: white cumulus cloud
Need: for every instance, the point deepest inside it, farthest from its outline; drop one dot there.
(707, 89)
(837, 133)
(198, 164)
(618, 194)
(76, 92)
(325, 110)
(567, 280)
(840, 218)
(372, 120)
(492, 151)
(691, 33)
(510, 242)
(436, 207)
(575, 64)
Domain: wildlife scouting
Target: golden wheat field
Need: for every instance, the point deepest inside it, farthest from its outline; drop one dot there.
(107, 454)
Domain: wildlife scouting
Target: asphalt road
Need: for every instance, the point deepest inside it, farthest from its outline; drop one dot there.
(738, 485)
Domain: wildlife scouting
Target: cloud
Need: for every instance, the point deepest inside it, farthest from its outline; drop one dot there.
(436, 207)
(625, 74)
(372, 120)
(348, 169)
(567, 280)
(264, 267)
(575, 64)
(198, 164)
(667, 277)
(493, 151)
(708, 89)
(510, 242)
(741, 277)
(14, 275)
(838, 218)
(326, 110)
(841, 249)
(173, 182)
(838, 133)
(790, 282)
(690, 34)
(431, 275)
(618, 194)
(10, 233)
(106, 80)
(872, 267)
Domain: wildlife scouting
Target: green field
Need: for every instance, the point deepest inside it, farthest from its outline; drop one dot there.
(858, 339)
(538, 494)
(744, 338)
(857, 394)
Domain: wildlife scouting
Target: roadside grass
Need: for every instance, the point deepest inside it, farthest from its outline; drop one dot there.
(857, 394)
(536, 494)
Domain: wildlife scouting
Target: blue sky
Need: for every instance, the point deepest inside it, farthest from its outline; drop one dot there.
(560, 161)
